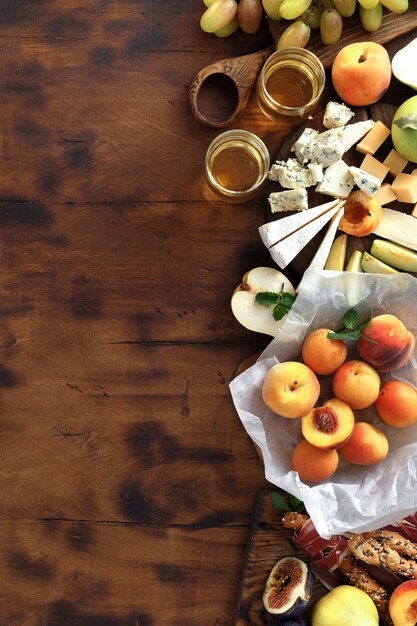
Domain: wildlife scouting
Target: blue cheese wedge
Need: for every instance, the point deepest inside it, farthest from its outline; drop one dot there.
(337, 180)
(336, 115)
(286, 250)
(316, 172)
(302, 147)
(320, 258)
(291, 175)
(291, 200)
(328, 147)
(352, 133)
(365, 181)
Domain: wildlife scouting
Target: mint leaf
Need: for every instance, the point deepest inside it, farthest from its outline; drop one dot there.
(279, 503)
(407, 121)
(279, 312)
(296, 504)
(351, 319)
(266, 298)
(287, 299)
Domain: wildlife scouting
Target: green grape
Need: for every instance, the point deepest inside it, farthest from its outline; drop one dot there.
(312, 16)
(346, 8)
(371, 18)
(368, 4)
(271, 8)
(396, 6)
(291, 9)
(220, 13)
(249, 14)
(296, 34)
(331, 26)
(229, 29)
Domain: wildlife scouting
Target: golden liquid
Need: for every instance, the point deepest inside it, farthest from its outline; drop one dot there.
(290, 86)
(236, 166)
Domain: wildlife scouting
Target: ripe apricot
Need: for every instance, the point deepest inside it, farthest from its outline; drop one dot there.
(321, 354)
(367, 445)
(290, 389)
(328, 426)
(313, 464)
(357, 384)
(397, 404)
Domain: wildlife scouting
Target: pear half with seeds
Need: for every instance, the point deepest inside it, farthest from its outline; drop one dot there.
(249, 313)
(403, 66)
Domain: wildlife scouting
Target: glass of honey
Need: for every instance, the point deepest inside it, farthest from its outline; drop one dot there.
(290, 84)
(237, 165)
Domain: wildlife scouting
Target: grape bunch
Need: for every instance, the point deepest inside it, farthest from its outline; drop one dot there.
(224, 17)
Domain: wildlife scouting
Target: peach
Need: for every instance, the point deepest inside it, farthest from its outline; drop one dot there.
(313, 464)
(397, 404)
(367, 445)
(386, 343)
(328, 426)
(362, 214)
(290, 389)
(403, 604)
(321, 354)
(361, 73)
(357, 384)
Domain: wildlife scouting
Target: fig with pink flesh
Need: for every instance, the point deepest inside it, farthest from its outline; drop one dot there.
(288, 588)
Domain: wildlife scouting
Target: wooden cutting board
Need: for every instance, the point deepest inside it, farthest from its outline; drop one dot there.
(268, 542)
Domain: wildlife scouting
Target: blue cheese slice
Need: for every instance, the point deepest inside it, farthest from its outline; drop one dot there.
(398, 227)
(352, 133)
(316, 172)
(302, 147)
(320, 258)
(273, 232)
(291, 200)
(287, 249)
(290, 174)
(328, 147)
(336, 115)
(337, 180)
(365, 181)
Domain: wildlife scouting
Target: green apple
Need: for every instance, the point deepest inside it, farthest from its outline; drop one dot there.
(249, 313)
(404, 129)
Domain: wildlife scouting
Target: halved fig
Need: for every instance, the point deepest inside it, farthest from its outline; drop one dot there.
(288, 588)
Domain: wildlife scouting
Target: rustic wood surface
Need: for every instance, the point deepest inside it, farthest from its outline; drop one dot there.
(127, 480)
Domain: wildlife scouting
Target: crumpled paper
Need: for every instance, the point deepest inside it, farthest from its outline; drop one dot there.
(355, 498)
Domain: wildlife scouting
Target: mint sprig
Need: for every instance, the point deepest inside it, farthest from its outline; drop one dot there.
(282, 302)
(352, 328)
(281, 504)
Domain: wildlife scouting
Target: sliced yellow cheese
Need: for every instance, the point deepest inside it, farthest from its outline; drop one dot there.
(320, 258)
(395, 163)
(385, 194)
(398, 227)
(374, 139)
(405, 188)
(371, 165)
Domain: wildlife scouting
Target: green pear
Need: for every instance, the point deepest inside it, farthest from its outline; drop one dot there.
(404, 130)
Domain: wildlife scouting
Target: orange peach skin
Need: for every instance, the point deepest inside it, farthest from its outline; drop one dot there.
(329, 426)
(357, 384)
(290, 389)
(367, 445)
(403, 604)
(362, 214)
(397, 404)
(312, 464)
(383, 340)
(361, 73)
(321, 354)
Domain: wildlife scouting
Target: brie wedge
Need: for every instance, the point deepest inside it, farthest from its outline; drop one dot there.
(320, 258)
(398, 227)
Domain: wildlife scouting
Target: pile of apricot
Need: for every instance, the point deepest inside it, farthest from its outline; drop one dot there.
(291, 389)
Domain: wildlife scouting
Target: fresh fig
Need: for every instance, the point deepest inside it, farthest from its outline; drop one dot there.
(288, 589)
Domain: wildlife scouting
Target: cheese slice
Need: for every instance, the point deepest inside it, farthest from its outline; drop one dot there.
(374, 139)
(320, 258)
(352, 133)
(398, 227)
(395, 163)
(371, 165)
(273, 232)
(405, 188)
(385, 194)
(287, 249)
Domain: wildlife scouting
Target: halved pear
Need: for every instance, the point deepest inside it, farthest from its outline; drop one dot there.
(249, 313)
(403, 66)
(336, 259)
(395, 255)
(354, 263)
(371, 265)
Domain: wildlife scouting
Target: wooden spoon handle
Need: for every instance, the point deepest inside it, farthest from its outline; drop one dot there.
(243, 71)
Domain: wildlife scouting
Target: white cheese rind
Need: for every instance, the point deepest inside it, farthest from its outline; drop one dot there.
(336, 114)
(352, 133)
(367, 182)
(398, 227)
(273, 232)
(320, 258)
(337, 180)
(285, 251)
(290, 200)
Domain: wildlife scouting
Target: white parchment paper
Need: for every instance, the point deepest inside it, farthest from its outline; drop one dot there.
(355, 498)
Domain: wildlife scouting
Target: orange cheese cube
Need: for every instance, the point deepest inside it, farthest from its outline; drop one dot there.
(374, 139)
(371, 165)
(405, 187)
(385, 194)
(395, 163)
(414, 172)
